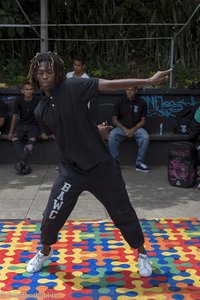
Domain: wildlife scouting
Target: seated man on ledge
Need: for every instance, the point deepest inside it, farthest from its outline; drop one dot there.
(24, 126)
(129, 119)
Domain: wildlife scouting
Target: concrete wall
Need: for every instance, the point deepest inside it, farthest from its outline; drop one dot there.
(162, 107)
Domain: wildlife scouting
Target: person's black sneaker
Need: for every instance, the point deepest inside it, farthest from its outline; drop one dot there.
(142, 167)
(26, 169)
(18, 167)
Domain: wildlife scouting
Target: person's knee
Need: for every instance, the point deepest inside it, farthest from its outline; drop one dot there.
(30, 145)
(147, 137)
(121, 217)
(111, 136)
(32, 140)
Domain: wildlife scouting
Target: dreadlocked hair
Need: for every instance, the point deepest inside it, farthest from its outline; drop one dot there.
(56, 64)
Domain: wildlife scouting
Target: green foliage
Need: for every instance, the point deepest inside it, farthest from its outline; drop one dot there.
(184, 77)
(122, 57)
(96, 73)
(15, 71)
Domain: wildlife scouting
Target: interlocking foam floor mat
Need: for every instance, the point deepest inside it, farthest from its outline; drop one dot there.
(91, 261)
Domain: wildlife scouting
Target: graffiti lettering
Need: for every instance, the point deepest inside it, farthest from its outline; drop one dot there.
(162, 107)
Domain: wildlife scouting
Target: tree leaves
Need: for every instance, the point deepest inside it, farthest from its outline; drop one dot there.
(127, 48)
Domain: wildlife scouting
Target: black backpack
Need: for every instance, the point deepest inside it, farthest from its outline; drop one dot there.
(182, 164)
(183, 120)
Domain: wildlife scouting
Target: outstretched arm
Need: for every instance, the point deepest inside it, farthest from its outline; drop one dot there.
(121, 84)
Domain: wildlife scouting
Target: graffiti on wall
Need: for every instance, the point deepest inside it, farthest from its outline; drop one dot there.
(166, 107)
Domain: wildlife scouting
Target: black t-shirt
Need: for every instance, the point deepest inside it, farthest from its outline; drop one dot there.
(3, 110)
(3, 114)
(129, 113)
(25, 110)
(66, 114)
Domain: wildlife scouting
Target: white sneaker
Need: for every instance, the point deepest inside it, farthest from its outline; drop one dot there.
(145, 269)
(36, 263)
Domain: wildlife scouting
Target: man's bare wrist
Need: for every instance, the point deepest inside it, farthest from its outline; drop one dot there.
(148, 81)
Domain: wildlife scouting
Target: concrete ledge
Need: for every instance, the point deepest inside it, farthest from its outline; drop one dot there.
(44, 152)
(157, 153)
(158, 149)
(168, 136)
(163, 106)
(47, 152)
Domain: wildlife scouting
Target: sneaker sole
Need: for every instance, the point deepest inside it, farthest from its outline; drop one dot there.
(146, 275)
(144, 171)
(26, 173)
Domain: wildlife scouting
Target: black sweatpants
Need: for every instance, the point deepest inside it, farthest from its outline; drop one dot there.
(105, 182)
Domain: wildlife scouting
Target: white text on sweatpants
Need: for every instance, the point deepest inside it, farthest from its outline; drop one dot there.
(58, 202)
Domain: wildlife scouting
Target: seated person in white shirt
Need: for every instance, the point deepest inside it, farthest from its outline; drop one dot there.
(79, 68)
